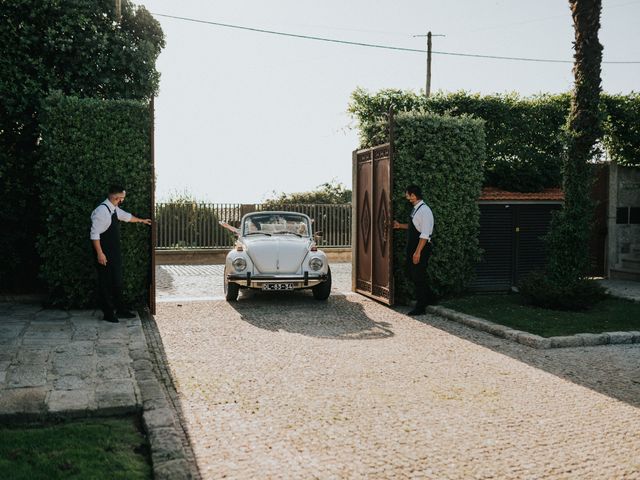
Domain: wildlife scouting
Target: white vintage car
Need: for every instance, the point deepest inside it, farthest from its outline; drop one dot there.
(276, 251)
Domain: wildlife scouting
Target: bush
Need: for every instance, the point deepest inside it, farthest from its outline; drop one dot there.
(87, 145)
(541, 290)
(525, 144)
(436, 152)
(327, 193)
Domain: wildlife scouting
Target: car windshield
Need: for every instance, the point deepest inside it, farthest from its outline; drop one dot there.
(276, 224)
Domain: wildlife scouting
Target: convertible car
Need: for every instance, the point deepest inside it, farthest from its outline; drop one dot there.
(276, 251)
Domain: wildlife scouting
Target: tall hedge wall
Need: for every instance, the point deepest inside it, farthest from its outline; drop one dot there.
(87, 145)
(524, 135)
(444, 156)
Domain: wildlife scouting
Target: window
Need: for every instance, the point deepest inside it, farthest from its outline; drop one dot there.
(634, 215)
(622, 215)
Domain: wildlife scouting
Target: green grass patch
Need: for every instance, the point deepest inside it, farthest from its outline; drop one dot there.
(108, 448)
(610, 315)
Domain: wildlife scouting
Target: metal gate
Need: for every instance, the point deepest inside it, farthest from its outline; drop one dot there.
(373, 224)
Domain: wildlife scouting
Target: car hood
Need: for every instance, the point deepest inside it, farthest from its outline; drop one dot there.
(277, 254)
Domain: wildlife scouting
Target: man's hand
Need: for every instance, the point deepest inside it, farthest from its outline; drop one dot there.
(416, 258)
(396, 225)
(102, 259)
(146, 221)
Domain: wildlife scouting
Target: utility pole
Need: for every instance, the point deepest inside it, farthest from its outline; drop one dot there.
(119, 10)
(428, 35)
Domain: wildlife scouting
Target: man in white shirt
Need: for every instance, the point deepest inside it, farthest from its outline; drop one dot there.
(419, 247)
(105, 236)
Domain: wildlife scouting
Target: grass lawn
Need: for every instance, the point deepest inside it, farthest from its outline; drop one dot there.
(109, 448)
(610, 315)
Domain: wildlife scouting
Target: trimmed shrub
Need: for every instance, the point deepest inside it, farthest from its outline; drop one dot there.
(444, 156)
(525, 142)
(541, 290)
(87, 145)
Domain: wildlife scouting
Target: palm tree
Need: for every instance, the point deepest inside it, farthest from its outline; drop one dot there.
(569, 240)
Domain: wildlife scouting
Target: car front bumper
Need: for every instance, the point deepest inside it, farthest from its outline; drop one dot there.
(257, 281)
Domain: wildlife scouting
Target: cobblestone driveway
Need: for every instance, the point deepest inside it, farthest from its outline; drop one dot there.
(283, 386)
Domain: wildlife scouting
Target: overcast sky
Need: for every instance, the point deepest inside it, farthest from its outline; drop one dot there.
(242, 114)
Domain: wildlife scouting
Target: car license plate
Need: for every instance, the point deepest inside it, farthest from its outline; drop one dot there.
(277, 286)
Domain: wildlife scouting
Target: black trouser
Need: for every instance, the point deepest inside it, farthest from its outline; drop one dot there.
(110, 287)
(418, 275)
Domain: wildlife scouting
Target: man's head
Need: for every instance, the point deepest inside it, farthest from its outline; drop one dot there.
(413, 193)
(117, 194)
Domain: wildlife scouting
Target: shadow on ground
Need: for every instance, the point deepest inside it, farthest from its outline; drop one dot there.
(298, 312)
(612, 370)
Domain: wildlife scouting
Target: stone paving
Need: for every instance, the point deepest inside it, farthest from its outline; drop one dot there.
(283, 386)
(54, 361)
(623, 289)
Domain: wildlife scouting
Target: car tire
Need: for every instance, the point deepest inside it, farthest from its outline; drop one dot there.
(231, 290)
(323, 290)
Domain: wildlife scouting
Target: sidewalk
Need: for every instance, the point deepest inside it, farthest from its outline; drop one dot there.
(623, 289)
(62, 364)
(58, 362)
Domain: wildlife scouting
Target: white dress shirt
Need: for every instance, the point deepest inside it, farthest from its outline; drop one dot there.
(423, 220)
(101, 218)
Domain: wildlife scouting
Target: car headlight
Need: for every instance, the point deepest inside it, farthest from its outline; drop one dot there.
(239, 264)
(315, 264)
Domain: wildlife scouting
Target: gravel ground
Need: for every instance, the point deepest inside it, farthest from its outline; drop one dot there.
(283, 386)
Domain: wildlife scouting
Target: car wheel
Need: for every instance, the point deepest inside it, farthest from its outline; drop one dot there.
(231, 290)
(322, 290)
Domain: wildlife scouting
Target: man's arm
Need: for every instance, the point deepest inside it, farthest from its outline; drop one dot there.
(102, 258)
(400, 226)
(127, 217)
(134, 219)
(416, 255)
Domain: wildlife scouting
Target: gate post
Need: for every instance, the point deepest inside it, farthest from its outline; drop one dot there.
(354, 218)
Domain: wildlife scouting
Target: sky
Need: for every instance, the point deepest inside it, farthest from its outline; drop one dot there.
(242, 116)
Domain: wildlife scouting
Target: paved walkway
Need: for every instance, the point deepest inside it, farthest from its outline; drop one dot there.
(283, 386)
(54, 361)
(623, 289)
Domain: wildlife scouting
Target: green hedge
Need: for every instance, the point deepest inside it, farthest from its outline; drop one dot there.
(79, 48)
(524, 136)
(89, 144)
(438, 152)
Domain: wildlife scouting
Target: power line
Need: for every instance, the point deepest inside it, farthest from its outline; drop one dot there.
(374, 45)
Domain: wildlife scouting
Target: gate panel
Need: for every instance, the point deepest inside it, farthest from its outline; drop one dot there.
(152, 208)
(364, 169)
(373, 259)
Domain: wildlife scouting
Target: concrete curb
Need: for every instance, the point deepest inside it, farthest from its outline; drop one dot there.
(171, 454)
(536, 341)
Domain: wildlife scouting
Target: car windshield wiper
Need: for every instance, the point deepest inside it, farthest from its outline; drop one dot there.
(257, 233)
(286, 231)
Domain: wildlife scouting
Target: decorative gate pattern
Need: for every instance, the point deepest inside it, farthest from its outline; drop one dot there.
(373, 259)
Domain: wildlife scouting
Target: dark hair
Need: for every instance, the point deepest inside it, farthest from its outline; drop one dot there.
(414, 189)
(113, 189)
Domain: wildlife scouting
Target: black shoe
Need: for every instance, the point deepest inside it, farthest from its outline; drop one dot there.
(111, 319)
(417, 311)
(125, 314)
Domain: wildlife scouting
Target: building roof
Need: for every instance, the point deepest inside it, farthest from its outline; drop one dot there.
(547, 195)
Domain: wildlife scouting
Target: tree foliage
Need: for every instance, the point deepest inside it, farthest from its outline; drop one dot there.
(525, 135)
(571, 228)
(332, 192)
(75, 47)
